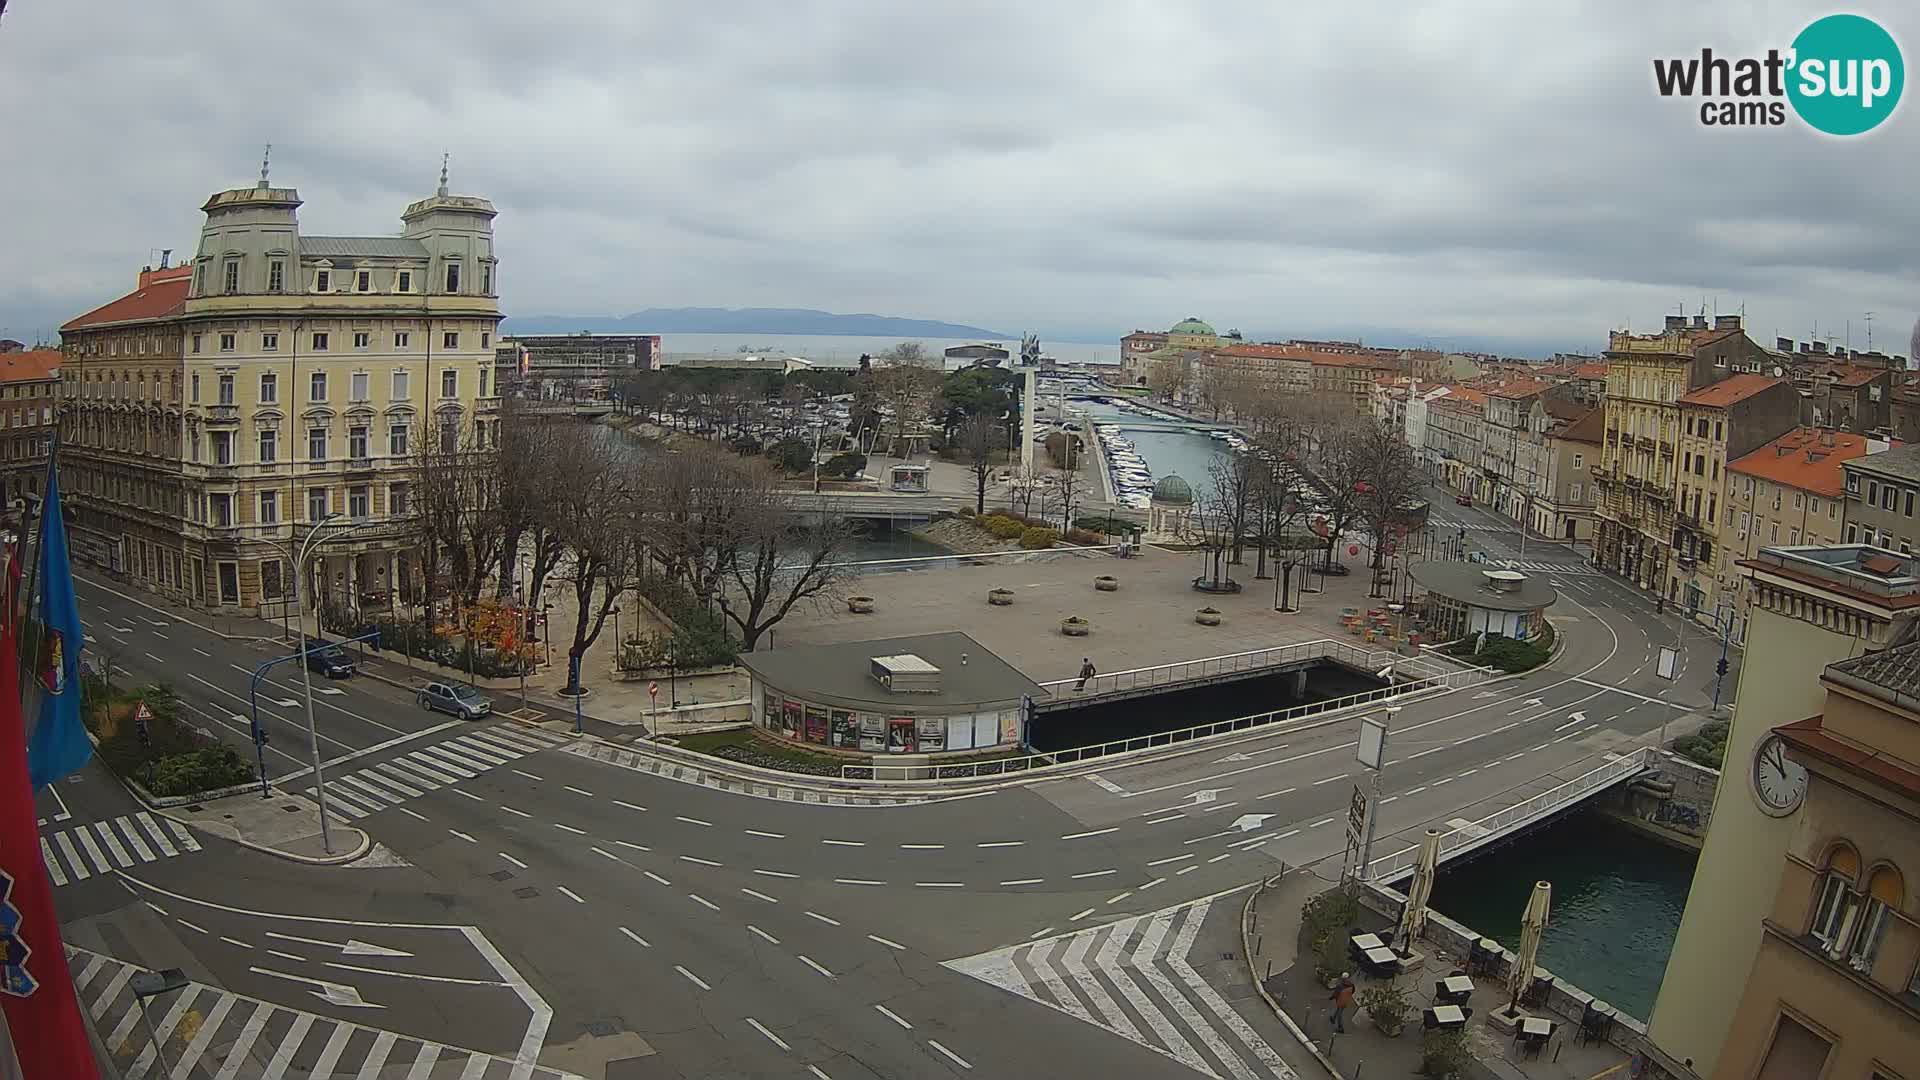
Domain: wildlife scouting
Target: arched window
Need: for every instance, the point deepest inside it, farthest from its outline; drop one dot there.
(1838, 904)
(1884, 894)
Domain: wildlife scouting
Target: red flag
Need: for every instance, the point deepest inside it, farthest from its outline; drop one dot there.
(36, 988)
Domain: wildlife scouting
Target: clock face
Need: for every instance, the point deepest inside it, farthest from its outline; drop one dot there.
(1779, 783)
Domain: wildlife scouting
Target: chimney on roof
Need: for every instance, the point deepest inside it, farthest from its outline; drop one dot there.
(1699, 322)
(1819, 348)
(166, 254)
(1726, 322)
(1805, 348)
(1783, 344)
(1676, 322)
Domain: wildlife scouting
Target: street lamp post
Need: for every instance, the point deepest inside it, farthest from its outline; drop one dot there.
(546, 632)
(149, 984)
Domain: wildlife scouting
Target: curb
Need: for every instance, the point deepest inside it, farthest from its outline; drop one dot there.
(1246, 950)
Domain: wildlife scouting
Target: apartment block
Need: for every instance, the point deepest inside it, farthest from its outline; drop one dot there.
(1718, 422)
(1881, 494)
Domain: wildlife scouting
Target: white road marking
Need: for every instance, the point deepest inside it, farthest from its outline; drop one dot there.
(1282, 791)
(922, 847)
(236, 941)
(512, 860)
(1001, 843)
(463, 836)
(810, 962)
(1185, 871)
(1217, 858)
(955, 1058)
(1169, 817)
(1024, 881)
(856, 881)
(693, 821)
(773, 873)
(1082, 915)
(634, 846)
(1319, 823)
(515, 813)
(604, 853)
(191, 926)
(883, 941)
(771, 1037)
(628, 805)
(656, 878)
(1094, 874)
(411, 813)
(528, 775)
(759, 896)
(1330, 779)
(467, 794)
(893, 1016)
(570, 894)
(577, 791)
(287, 956)
(845, 843)
(939, 884)
(1040, 933)
(1090, 832)
(1119, 898)
(569, 828)
(691, 977)
(1414, 791)
(1171, 858)
(762, 934)
(1424, 753)
(823, 918)
(203, 652)
(703, 901)
(768, 835)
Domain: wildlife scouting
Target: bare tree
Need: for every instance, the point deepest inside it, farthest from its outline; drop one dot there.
(976, 439)
(1210, 529)
(1234, 479)
(776, 556)
(1170, 376)
(455, 508)
(595, 519)
(908, 389)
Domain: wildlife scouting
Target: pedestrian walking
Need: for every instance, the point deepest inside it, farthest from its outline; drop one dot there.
(1342, 998)
(1087, 671)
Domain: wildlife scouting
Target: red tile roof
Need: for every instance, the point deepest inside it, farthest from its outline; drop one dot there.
(1804, 458)
(1849, 374)
(1810, 737)
(1265, 352)
(1519, 388)
(1592, 371)
(1586, 429)
(161, 293)
(1731, 389)
(32, 365)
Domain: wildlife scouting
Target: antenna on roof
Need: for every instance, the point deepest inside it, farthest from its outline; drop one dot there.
(1869, 331)
(443, 175)
(265, 157)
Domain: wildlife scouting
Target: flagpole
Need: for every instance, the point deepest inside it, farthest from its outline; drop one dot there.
(27, 662)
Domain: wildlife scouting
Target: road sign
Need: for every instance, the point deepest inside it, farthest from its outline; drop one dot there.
(142, 713)
(1373, 743)
(1356, 814)
(1667, 664)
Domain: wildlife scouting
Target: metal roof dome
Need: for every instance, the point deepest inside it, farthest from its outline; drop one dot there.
(1191, 325)
(1172, 489)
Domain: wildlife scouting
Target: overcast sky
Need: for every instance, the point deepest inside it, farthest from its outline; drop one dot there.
(1496, 173)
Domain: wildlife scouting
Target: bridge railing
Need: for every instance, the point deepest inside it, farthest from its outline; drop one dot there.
(1182, 671)
(932, 773)
(934, 562)
(1490, 828)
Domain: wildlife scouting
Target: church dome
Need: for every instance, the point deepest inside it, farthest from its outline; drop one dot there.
(1173, 490)
(1191, 325)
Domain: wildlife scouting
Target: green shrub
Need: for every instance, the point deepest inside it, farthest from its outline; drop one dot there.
(1035, 539)
(1444, 1055)
(1004, 527)
(1084, 537)
(1507, 654)
(206, 769)
(966, 511)
(1334, 909)
(1387, 1006)
(1708, 746)
(1103, 523)
(792, 454)
(845, 465)
(702, 638)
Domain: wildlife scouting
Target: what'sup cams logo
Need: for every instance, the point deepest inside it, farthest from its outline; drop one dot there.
(1842, 76)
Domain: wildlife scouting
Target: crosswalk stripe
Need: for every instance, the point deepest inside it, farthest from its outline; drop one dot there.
(411, 765)
(484, 751)
(476, 1065)
(99, 857)
(184, 835)
(164, 1031)
(1062, 997)
(153, 831)
(1212, 1000)
(87, 973)
(423, 1064)
(405, 780)
(518, 739)
(330, 1054)
(433, 755)
(448, 751)
(53, 865)
(74, 862)
(1110, 1010)
(107, 837)
(104, 1000)
(497, 740)
(289, 1046)
(1169, 1035)
(337, 797)
(1150, 942)
(378, 796)
(209, 1027)
(132, 834)
(243, 1045)
(376, 1058)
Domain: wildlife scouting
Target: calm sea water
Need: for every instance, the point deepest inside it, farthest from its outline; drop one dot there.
(1617, 899)
(830, 351)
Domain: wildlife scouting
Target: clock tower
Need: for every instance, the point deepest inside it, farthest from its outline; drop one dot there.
(1811, 607)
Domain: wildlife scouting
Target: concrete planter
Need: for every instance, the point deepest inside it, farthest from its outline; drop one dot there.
(1107, 583)
(1075, 626)
(1000, 597)
(860, 605)
(1207, 616)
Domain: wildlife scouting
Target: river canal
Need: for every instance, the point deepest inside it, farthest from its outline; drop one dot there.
(1617, 899)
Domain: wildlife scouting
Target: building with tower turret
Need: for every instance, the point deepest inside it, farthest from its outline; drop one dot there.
(227, 407)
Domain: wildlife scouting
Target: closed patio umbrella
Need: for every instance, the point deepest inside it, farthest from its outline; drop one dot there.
(1413, 916)
(1533, 927)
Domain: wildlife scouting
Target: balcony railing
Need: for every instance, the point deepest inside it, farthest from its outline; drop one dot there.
(223, 414)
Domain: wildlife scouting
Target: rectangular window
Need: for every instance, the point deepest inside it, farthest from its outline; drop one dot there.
(269, 507)
(1793, 536)
(359, 502)
(229, 582)
(233, 276)
(406, 281)
(196, 388)
(486, 280)
(1579, 462)
(362, 339)
(1886, 497)
(222, 447)
(483, 382)
(1909, 502)
(449, 438)
(357, 443)
(399, 500)
(317, 444)
(1873, 491)
(1853, 533)
(225, 387)
(450, 339)
(358, 386)
(269, 342)
(317, 386)
(363, 280)
(1773, 533)
(221, 505)
(273, 579)
(485, 338)
(269, 388)
(453, 277)
(320, 341)
(226, 342)
(449, 383)
(402, 340)
(316, 503)
(323, 281)
(1796, 500)
(1719, 430)
(1853, 483)
(269, 446)
(194, 343)
(276, 275)
(397, 440)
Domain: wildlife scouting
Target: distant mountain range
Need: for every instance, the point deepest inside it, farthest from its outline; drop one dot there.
(749, 321)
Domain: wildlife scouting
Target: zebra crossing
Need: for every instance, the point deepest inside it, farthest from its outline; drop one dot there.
(100, 847)
(1544, 567)
(208, 1033)
(1133, 978)
(411, 775)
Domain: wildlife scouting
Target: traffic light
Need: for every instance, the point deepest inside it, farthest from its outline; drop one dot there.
(1720, 667)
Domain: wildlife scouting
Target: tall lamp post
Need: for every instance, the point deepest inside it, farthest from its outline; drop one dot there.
(151, 984)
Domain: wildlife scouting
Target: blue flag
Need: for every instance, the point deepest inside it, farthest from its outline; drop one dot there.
(58, 743)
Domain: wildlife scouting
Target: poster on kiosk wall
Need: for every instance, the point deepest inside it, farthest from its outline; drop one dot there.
(790, 719)
(933, 734)
(873, 733)
(816, 724)
(843, 733)
(900, 735)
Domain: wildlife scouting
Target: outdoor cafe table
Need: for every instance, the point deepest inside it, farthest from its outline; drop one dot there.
(1453, 990)
(1445, 1017)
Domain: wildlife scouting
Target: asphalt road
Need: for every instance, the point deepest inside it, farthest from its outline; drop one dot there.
(681, 931)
